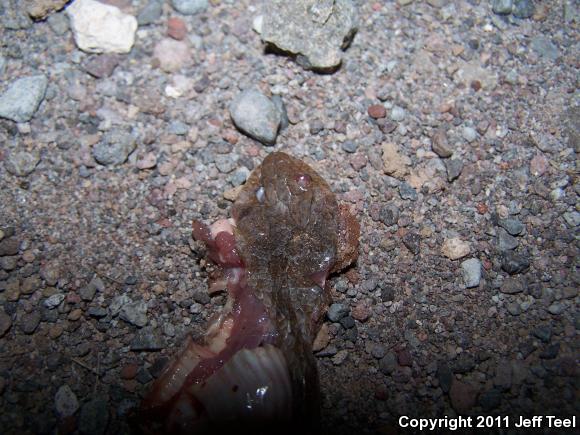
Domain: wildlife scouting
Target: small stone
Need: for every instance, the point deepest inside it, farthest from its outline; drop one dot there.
(75, 314)
(101, 28)
(539, 165)
(455, 248)
(97, 312)
(94, 417)
(349, 146)
(114, 148)
(398, 114)
(512, 226)
(413, 242)
(29, 322)
(30, 284)
(347, 322)
(543, 332)
(225, 163)
(147, 339)
(21, 99)
(490, 400)
(148, 161)
(454, 168)
(545, 48)
(143, 376)
(340, 357)
(21, 163)
(150, 13)
(54, 301)
(572, 218)
(58, 23)
(551, 351)
(176, 28)
(102, 65)
(557, 308)
(388, 363)
(322, 338)
(135, 313)
(279, 103)
(5, 323)
(514, 263)
(471, 272)
(387, 293)
(129, 371)
(378, 351)
(514, 308)
(512, 285)
(189, 7)
(361, 312)
(407, 192)
(440, 145)
(65, 401)
(523, 8)
(87, 293)
(256, 115)
(463, 396)
(239, 176)
(505, 241)
(389, 214)
(502, 7)
(377, 111)
(394, 163)
(469, 134)
(337, 312)
(444, 376)
(40, 9)
(9, 246)
(172, 54)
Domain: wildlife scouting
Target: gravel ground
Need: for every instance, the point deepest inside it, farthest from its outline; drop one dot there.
(450, 130)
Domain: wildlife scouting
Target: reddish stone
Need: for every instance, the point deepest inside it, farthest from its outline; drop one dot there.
(361, 312)
(377, 111)
(482, 208)
(358, 161)
(230, 136)
(129, 371)
(176, 28)
(539, 165)
(404, 358)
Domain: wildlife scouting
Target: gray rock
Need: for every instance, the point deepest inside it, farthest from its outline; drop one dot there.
(454, 168)
(59, 23)
(179, 128)
(572, 218)
(444, 376)
(512, 285)
(543, 332)
(347, 322)
(407, 192)
(378, 351)
(150, 13)
(389, 214)
(256, 115)
(65, 401)
(114, 148)
(21, 163)
(87, 293)
(514, 308)
(97, 312)
(349, 146)
(135, 313)
(523, 8)
(21, 100)
(315, 30)
(118, 303)
(225, 163)
(279, 103)
(239, 176)
(503, 375)
(94, 417)
(147, 339)
(388, 363)
(469, 134)
(440, 144)
(557, 308)
(398, 114)
(54, 301)
(413, 242)
(551, 351)
(29, 322)
(471, 272)
(189, 7)
(505, 241)
(512, 226)
(502, 7)
(543, 47)
(337, 312)
(5, 323)
(513, 262)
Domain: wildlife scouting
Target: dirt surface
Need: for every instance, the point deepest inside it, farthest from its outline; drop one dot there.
(99, 277)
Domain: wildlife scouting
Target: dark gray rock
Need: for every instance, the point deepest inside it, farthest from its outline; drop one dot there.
(502, 7)
(413, 242)
(256, 115)
(513, 226)
(315, 31)
(512, 285)
(147, 339)
(514, 263)
(388, 363)
(65, 401)
(349, 146)
(337, 312)
(545, 48)
(407, 192)
(523, 8)
(347, 322)
(21, 100)
(150, 13)
(5, 323)
(551, 351)
(454, 168)
(21, 163)
(543, 332)
(389, 214)
(505, 241)
(445, 377)
(490, 400)
(135, 313)
(29, 322)
(94, 417)
(114, 148)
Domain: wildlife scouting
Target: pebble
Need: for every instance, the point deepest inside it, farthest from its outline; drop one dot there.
(388, 363)
(349, 146)
(148, 161)
(523, 8)
(407, 192)
(101, 28)
(135, 313)
(398, 114)
(551, 351)
(455, 248)
(279, 103)
(514, 263)
(118, 303)
(490, 400)
(21, 99)
(377, 111)
(394, 163)
(572, 218)
(256, 115)
(469, 134)
(454, 168)
(361, 312)
(102, 65)
(97, 312)
(378, 351)
(512, 285)
(29, 322)
(514, 308)
(225, 163)
(9, 246)
(87, 293)
(5, 323)
(21, 163)
(513, 226)
(502, 7)
(539, 165)
(178, 127)
(545, 48)
(337, 311)
(440, 145)
(94, 417)
(172, 54)
(463, 396)
(239, 176)
(543, 332)
(114, 148)
(150, 13)
(322, 338)
(389, 214)
(557, 308)
(54, 301)
(413, 242)
(58, 23)
(340, 357)
(471, 272)
(65, 401)
(189, 7)
(505, 241)
(147, 339)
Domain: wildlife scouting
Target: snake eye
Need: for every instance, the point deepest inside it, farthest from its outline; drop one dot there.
(260, 195)
(303, 181)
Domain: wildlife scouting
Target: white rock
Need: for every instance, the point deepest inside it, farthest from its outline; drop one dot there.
(455, 248)
(100, 28)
